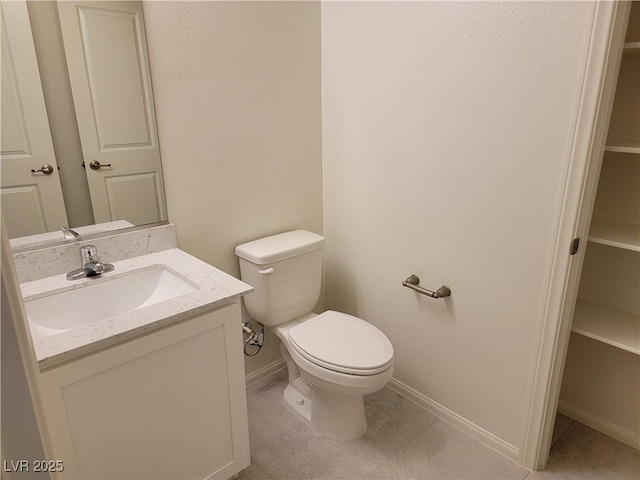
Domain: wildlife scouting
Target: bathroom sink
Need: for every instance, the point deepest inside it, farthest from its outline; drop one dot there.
(109, 297)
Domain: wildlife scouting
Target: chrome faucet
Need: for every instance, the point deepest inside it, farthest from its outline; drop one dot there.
(68, 233)
(91, 266)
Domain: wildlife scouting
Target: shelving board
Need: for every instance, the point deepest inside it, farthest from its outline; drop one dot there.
(615, 234)
(605, 324)
(622, 146)
(632, 47)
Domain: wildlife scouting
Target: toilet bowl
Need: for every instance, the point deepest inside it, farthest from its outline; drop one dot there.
(332, 358)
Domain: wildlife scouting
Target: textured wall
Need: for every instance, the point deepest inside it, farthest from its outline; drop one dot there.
(447, 129)
(237, 93)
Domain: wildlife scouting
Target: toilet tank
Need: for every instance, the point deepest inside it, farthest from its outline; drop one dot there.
(286, 272)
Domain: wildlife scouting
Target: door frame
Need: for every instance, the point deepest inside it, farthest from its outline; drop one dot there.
(581, 182)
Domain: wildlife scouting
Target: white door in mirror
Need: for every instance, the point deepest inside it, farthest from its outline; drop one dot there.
(31, 192)
(106, 52)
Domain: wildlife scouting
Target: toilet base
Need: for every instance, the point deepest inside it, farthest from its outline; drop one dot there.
(297, 402)
(335, 415)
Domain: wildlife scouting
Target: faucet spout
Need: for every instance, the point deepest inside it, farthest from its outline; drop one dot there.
(68, 233)
(91, 266)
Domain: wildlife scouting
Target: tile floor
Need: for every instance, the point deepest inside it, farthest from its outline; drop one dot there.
(404, 441)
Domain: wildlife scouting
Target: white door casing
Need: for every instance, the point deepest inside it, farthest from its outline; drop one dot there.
(106, 52)
(32, 202)
(596, 103)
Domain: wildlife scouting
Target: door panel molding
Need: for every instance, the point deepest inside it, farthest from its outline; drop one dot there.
(109, 94)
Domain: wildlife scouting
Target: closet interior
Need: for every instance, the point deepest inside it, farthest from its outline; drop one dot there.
(601, 383)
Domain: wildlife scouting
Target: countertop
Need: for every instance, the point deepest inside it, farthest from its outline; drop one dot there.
(43, 238)
(217, 288)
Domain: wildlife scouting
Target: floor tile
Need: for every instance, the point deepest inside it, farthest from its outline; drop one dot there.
(405, 442)
(303, 453)
(269, 416)
(543, 475)
(562, 423)
(394, 421)
(389, 470)
(253, 472)
(444, 452)
(584, 453)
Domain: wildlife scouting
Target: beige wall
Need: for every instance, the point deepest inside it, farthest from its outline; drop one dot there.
(237, 93)
(447, 129)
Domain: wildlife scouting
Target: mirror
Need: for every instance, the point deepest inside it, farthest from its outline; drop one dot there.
(79, 140)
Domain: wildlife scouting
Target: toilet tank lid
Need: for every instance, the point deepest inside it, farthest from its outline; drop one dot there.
(280, 247)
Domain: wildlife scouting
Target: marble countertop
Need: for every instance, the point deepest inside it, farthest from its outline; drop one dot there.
(57, 235)
(216, 289)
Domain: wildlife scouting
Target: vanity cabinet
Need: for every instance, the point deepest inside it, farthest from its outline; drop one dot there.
(601, 379)
(169, 404)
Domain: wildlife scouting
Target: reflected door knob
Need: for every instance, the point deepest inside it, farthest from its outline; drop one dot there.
(96, 165)
(46, 169)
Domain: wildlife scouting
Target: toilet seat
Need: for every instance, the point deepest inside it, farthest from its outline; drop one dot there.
(342, 343)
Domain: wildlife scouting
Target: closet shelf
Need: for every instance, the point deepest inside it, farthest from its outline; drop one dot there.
(622, 146)
(632, 47)
(605, 324)
(615, 234)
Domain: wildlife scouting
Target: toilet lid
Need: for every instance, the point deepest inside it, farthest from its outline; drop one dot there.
(342, 343)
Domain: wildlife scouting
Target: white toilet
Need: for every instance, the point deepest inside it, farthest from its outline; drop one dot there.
(333, 358)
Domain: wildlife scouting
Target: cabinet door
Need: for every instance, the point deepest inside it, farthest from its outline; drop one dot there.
(31, 201)
(106, 52)
(171, 404)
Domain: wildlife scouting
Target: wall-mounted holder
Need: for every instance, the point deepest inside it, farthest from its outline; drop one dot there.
(413, 282)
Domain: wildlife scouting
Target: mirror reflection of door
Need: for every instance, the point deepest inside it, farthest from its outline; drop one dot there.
(108, 66)
(104, 114)
(30, 190)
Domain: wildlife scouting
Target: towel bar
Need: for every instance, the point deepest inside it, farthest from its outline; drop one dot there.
(413, 282)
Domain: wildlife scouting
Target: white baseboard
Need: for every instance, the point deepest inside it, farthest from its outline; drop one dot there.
(601, 424)
(264, 372)
(456, 420)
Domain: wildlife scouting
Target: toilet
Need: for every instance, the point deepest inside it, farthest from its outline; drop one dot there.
(332, 358)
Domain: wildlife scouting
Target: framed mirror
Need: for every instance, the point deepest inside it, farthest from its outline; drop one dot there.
(79, 145)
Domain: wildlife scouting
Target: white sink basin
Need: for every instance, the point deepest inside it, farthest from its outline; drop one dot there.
(60, 312)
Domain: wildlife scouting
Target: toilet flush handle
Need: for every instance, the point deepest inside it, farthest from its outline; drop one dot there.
(267, 271)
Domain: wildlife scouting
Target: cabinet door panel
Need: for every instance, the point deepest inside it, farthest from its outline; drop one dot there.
(150, 397)
(171, 404)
